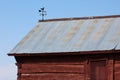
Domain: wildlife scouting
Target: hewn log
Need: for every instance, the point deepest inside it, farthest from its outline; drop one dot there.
(48, 68)
(54, 76)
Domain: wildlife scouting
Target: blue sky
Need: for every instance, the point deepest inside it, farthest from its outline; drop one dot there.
(18, 17)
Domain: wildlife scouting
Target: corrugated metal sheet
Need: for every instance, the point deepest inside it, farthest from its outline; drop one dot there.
(72, 36)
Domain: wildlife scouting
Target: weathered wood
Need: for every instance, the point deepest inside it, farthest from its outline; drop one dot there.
(19, 65)
(53, 59)
(67, 67)
(117, 69)
(117, 61)
(98, 70)
(117, 76)
(53, 76)
(87, 70)
(110, 65)
(39, 68)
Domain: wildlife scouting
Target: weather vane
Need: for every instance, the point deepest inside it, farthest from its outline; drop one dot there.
(42, 12)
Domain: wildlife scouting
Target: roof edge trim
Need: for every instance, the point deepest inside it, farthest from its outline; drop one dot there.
(80, 18)
(65, 53)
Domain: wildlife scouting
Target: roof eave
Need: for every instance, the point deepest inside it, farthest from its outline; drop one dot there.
(65, 53)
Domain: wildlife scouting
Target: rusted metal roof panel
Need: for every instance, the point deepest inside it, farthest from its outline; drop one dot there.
(72, 36)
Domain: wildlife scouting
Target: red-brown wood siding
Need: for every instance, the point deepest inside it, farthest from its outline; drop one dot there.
(117, 69)
(67, 67)
(98, 70)
(53, 76)
(52, 68)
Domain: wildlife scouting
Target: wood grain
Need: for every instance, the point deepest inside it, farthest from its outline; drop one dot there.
(54, 76)
(48, 68)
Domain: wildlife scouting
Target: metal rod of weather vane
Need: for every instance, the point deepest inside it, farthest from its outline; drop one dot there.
(42, 15)
(43, 12)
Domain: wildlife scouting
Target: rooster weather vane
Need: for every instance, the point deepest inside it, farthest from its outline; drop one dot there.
(42, 13)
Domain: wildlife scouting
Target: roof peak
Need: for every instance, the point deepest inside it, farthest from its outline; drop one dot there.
(80, 18)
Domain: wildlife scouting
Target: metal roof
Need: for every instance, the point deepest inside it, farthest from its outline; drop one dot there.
(72, 35)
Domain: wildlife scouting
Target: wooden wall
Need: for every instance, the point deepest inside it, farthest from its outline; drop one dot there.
(52, 68)
(117, 68)
(72, 67)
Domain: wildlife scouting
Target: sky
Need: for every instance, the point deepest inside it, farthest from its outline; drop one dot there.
(18, 17)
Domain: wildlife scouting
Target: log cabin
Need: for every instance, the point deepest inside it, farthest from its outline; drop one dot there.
(86, 48)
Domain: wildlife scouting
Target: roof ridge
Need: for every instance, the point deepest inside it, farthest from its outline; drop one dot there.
(80, 18)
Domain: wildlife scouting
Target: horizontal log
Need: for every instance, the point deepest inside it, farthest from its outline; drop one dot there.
(117, 61)
(117, 76)
(38, 68)
(71, 59)
(56, 62)
(53, 77)
(117, 68)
